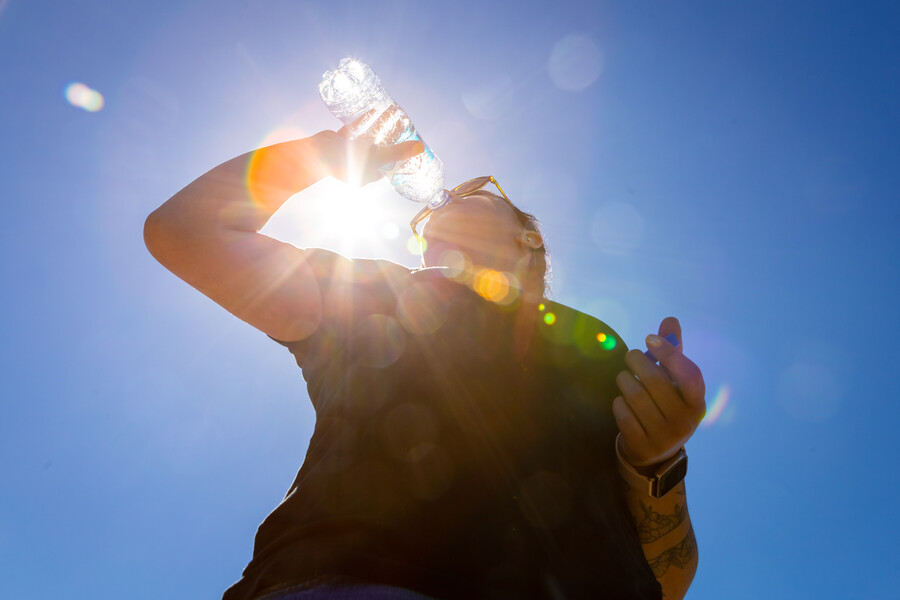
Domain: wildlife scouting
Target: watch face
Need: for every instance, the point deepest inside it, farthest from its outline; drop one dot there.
(672, 477)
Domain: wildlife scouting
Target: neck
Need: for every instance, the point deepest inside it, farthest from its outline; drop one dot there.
(527, 316)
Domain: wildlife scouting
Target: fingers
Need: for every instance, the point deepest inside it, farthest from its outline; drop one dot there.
(671, 325)
(357, 160)
(661, 405)
(385, 155)
(647, 441)
(355, 165)
(682, 371)
(375, 158)
(657, 404)
(633, 432)
(639, 402)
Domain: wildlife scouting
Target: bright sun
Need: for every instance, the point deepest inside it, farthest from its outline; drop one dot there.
(367, 222)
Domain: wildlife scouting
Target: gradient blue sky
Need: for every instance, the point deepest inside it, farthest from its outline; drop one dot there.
(731, 163)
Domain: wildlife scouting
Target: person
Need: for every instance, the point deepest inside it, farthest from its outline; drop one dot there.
(473, 439)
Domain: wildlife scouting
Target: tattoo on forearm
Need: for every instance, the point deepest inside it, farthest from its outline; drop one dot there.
(654, 525)
(677, 556)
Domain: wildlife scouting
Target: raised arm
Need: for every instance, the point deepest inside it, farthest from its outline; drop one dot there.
(208, 233)
(659, 410)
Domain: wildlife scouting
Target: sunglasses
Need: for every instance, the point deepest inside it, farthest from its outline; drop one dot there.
(462, 190)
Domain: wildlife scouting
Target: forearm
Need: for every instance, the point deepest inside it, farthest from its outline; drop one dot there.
(241, 194)
(667, 537)
(207, 234)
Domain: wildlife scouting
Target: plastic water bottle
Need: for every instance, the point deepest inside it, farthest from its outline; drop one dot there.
(354, 94)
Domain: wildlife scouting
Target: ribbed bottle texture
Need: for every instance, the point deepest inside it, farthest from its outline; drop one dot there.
(354, 94)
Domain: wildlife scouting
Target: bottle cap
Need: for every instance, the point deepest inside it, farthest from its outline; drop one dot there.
(352, 89)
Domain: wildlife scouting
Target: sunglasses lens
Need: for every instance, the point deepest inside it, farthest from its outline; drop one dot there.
(471, 186)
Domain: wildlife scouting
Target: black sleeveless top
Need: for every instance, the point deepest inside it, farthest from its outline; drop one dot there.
(453, 454)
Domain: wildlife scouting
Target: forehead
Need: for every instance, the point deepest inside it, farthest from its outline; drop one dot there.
(471, 209)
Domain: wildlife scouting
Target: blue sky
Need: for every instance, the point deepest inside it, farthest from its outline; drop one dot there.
(730, 163)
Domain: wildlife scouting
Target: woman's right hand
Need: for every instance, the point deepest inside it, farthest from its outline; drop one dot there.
(358, 161)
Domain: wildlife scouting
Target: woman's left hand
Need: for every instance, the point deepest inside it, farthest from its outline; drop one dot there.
(661, 405)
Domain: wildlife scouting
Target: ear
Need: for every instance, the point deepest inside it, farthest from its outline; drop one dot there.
(530, 238)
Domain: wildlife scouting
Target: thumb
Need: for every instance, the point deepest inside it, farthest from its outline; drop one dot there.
(671, 325)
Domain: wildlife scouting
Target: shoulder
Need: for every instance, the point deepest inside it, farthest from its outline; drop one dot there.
(566, 327)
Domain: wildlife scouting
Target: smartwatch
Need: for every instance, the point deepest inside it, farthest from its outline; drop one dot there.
(661, 480)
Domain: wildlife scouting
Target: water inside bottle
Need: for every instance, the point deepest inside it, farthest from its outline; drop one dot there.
(419, 178)
(355, 95)
(384, 126)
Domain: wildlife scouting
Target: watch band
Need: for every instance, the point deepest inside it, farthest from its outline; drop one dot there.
(664, 478)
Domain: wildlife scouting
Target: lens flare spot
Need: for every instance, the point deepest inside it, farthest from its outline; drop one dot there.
(459, 267)
(606, 342)
(382, 339)
(493, 100)
(541, 307)
(575, 63)
(494, 286)
(717, 406)
(80, 95)
(282, 134)
(413, 246)
(419, 309)
(549, 318)
(267, 168)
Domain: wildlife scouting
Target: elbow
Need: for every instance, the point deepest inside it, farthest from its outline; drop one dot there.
(154, 233)
(675, 569)
(693, 568)
(164, 238)
(690, 568)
